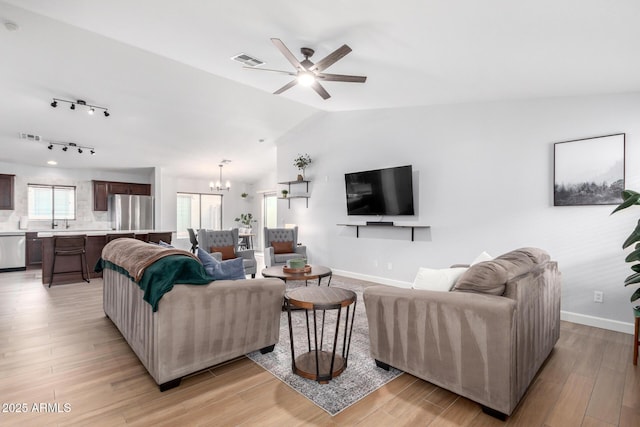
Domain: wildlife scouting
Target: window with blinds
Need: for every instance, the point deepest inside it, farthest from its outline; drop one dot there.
(51, 202)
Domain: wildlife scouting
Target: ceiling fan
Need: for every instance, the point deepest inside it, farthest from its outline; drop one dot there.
(309, 74)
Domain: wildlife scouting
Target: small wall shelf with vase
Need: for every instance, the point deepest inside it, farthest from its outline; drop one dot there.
(290, 196)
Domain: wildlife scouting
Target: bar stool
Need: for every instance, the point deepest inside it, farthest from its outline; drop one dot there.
(110, 237)
(71, 246)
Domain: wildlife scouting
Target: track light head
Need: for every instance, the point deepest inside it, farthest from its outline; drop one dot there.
(50, 147)
(92, 152)
(73, 106)
(92, 110)
(79, 150)
(106, 113)
(65, 148)
(54, 104)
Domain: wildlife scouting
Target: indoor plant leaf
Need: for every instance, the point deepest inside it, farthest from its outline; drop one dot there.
(633, 237)
(634, 278)
(636, 268)
(635, 296)
(633, 256)
(630, 198)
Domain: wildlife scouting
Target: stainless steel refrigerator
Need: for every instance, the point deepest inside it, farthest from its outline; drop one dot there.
(130, 212)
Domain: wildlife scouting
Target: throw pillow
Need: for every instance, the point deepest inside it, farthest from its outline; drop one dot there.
(232, 269)
(441, 280)
(165, 244)
(226, 251)
(208, 262)
(488, 277)
(482, 258)
(282, 247)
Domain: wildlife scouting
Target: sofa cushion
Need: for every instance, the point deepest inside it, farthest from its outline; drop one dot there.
(488, 277)
(522, 260)
(282, 247)
(441, 280)
(227, 252)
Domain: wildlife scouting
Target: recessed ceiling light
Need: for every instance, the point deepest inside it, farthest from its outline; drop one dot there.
(52, 162)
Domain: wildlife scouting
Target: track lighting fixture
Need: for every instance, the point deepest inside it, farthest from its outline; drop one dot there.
(91, 108)
(66, 145)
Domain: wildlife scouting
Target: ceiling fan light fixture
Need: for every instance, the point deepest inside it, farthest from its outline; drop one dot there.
(306, 78)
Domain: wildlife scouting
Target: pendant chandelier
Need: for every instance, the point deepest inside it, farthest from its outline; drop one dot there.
(218, 185)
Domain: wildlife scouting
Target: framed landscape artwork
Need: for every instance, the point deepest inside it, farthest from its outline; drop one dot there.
(589, 171)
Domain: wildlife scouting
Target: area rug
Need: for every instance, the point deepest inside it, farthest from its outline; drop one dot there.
(360, 378)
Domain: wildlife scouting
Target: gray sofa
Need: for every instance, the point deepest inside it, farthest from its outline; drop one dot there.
(485, 340)
(195, 326)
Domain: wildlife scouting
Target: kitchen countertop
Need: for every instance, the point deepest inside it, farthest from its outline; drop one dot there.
(52, 233)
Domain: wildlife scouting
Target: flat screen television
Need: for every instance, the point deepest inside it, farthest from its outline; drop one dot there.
(380, 192)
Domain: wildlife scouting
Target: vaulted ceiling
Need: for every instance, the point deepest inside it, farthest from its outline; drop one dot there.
(177, 100)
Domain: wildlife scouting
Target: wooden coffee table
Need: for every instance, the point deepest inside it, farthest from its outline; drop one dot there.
(322, 362)
(317, 272)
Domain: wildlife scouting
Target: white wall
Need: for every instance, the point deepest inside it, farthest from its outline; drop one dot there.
(86, 217)
(483, 180)
(232, 204)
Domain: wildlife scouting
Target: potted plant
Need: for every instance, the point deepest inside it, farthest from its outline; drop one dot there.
(245, 220)
(244, 195)
(284, 193)
(631, 198)
(301, 162)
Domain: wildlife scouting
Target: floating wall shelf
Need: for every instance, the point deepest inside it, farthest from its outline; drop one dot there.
(412, 227)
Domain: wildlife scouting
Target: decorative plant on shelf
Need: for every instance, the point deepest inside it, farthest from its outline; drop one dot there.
(301, 162)
(631, 198)
(284, 193)
(245, 220)
(244, 195)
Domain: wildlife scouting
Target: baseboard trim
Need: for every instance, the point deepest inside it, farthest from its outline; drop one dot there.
(375, 279)
(598, 322)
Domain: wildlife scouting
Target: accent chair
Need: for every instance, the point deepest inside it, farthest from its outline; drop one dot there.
(281, 245)
(223, 245)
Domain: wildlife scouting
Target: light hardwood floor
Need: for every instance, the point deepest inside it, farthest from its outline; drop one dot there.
(56, 346)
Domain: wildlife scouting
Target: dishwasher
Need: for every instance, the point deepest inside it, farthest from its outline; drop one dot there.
(12, 251)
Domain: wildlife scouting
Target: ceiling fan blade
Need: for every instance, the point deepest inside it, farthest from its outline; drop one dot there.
(321, 91)
(341, 78)
(289, 85)
(330, 59)
(287, 54)
(291, 73)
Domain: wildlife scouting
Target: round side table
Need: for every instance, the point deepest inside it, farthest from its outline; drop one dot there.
(320, 364)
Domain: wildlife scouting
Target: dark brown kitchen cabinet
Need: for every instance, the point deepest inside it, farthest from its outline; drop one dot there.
(6, 191)
(33, 248)
(102, 189)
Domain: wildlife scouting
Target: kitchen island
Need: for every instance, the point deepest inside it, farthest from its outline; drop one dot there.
(68, 268)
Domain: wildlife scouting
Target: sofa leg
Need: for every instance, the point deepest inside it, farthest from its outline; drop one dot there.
(382, 365)
(267, 349)
(495, 414)
(170, 384)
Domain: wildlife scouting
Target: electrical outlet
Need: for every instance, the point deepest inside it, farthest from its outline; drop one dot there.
(598, 296)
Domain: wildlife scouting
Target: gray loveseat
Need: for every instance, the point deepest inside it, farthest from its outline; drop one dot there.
(485, 343)
(196, 326)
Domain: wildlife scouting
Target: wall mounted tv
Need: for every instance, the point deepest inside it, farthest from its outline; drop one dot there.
(380, 192)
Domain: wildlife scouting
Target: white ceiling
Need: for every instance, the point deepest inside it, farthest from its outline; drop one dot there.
(178, 102)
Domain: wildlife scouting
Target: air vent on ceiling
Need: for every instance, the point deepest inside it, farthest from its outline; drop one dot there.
(247, 60)
(30, 137)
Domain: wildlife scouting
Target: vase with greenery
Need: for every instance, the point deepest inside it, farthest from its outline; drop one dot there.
(284, 193)
(631, 198)
(244, 195)
(301, 162)
(245, 220)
